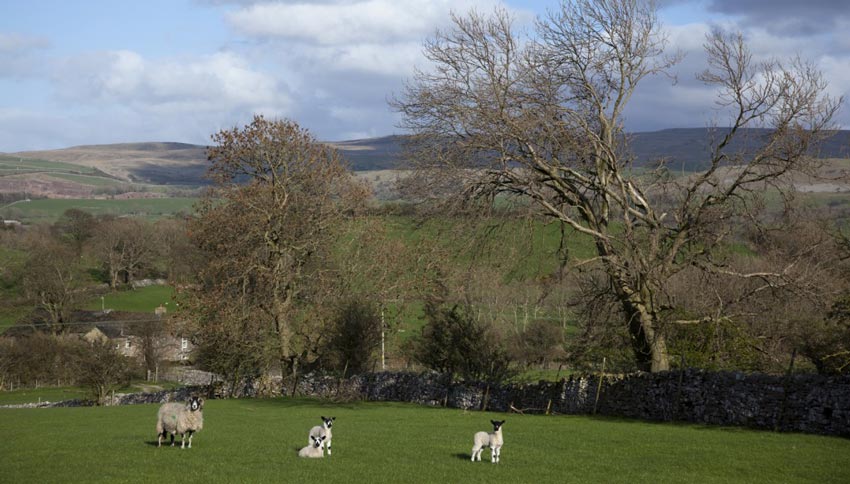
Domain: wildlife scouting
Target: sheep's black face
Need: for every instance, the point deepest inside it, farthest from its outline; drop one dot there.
(329, 422)
(317, 441)
(195, 403)
(497, 425)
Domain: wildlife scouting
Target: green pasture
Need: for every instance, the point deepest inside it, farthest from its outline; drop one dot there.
(62, 393)
(526, 248)
(49, 210)
(256, 441)
(41, 394)
(141, 300)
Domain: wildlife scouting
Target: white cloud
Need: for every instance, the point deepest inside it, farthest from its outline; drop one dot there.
(365, 21)
(383, 37)
(372, 58)
(219, 82)
(117, 96)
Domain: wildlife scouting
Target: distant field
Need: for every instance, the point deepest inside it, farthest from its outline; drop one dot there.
(13, 164)
(95, 181)
(49, 210)
(59, 394)
(250, 440)
(142, 300)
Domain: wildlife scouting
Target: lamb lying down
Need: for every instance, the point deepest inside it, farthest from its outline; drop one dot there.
(314, 450)
(323, 430)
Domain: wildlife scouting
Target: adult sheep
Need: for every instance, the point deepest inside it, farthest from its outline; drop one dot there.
(180, 418)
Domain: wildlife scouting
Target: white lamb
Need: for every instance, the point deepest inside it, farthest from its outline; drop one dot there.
(314, 450)
(323, 430)
(494, 440)
(180, 418)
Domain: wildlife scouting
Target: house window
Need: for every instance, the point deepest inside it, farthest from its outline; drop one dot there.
(184, 344)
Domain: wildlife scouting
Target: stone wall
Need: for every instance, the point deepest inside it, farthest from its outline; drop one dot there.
(801, 403)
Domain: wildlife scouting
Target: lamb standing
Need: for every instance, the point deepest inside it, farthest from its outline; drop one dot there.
(314, 450)
(493, 440)
(323, 430)
(179, 418)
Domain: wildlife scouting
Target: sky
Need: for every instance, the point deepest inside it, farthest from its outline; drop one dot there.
(112, 71)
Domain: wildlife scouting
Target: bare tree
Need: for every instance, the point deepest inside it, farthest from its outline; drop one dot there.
(51, 280)
(125, 247)
(541, 120)
(181, 258)
(103, 369)
(77, 226)
(267, 227)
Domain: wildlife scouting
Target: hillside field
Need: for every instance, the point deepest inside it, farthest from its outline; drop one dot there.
(49, 210)
(141, 300)
(256, 441)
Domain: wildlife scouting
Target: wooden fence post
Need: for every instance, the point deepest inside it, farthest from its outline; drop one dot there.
(599, 386)
(557, 378)
(777, 426)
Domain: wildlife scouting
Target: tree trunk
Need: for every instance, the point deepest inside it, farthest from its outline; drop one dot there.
(648, 344)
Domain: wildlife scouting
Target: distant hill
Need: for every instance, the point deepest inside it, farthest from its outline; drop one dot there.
(688, 148)
(185, 164)
(168, 163)
(372, 154)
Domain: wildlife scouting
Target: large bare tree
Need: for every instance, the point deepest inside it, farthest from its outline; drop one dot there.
(268, 226)
(52, 279)
(125, 246)
(540, 119)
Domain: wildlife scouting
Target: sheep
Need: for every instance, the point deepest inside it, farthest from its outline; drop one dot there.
(323, 430)
(493, 440)
(314, 450)
(180, 418)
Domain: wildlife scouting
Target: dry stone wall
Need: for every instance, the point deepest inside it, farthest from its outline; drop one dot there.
(800, 403)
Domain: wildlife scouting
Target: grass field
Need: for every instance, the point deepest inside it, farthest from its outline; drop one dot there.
(141, 300)
(58, 394)
(256, 441)
(49, 210)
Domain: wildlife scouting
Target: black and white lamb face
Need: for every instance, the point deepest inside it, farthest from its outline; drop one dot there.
(317, 441)
(329, 421)
(497, 425)
(195, 403)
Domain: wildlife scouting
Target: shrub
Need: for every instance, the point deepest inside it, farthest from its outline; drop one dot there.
(541, 342)
(827, 342)
(103, 369)
(454, 343)
(354, 338)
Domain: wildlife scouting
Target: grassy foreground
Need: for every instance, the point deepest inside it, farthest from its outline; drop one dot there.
(256, 441)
